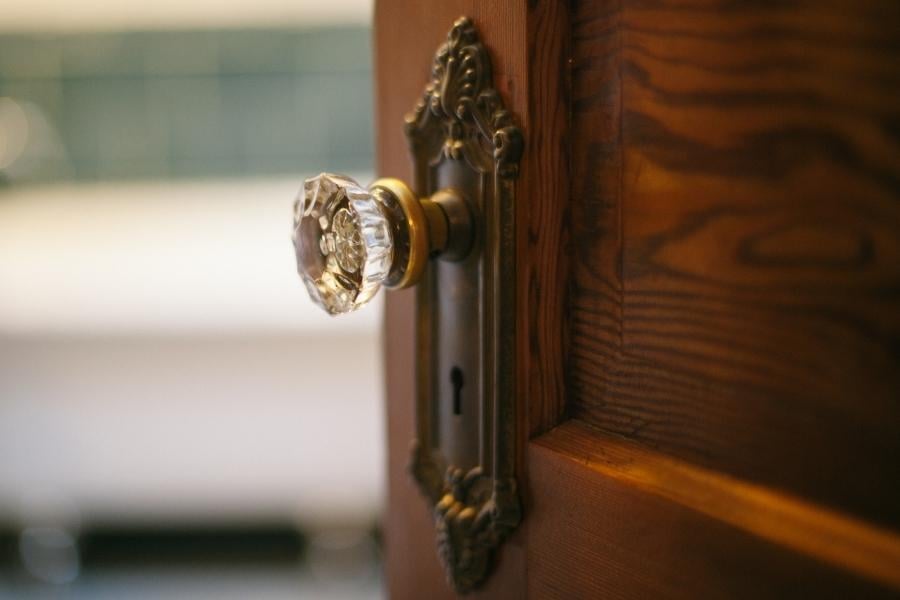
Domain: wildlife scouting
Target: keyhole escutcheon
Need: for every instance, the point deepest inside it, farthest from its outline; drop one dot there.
(456, 380)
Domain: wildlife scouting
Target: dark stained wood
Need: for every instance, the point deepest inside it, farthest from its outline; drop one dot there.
(609, 520)
(543, 218)
(736, 236)
(708, 265)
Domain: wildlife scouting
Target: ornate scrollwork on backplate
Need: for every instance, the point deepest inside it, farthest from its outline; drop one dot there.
(473, 514)
(461, 117)
(460, 95)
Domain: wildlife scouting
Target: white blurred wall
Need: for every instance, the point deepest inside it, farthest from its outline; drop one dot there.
(44, 15)
(159, 360)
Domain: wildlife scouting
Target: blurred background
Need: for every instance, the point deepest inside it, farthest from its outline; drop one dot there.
(177, 420)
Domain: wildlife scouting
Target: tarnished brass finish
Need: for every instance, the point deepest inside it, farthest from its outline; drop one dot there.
(437, 226)
(459, 225)
(466, 150)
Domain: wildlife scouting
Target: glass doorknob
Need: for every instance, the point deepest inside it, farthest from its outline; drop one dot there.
(351, 241)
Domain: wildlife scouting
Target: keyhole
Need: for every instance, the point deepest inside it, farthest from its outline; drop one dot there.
(456, 380)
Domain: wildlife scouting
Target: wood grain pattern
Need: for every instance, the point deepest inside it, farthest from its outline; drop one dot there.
(846, 543)
(543, 253)
(612, 520)
(708, 265)
(736, 234)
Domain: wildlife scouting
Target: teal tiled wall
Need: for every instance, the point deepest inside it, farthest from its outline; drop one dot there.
(148, 105)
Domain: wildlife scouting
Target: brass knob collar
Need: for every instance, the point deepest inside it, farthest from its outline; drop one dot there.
(441, 225)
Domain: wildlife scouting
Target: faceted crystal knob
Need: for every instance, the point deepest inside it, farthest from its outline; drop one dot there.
(343, 241)
(351, 241)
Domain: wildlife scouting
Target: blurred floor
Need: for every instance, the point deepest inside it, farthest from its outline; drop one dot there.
(144, 563)
(199, 584)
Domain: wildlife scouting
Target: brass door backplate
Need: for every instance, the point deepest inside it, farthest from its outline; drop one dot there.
(463, 139)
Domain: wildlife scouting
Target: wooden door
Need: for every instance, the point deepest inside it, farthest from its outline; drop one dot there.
(708, 232)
